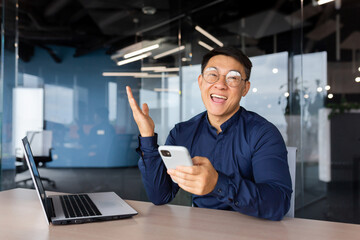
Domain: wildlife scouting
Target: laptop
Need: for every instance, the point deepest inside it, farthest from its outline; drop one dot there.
(76, 208)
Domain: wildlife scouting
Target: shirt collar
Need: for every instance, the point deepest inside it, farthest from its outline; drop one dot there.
(226, 124)
(212, 129)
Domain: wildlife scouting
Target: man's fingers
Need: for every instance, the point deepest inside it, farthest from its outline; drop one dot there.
(182, 175)
(145, 109)
(129, 93)
(143, 120)
(133, 104)
(188, 170)
(200, 160)
(182, 181)
(130, 96)
(188, 188)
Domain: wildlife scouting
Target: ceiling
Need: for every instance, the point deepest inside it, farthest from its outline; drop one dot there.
(88, 25)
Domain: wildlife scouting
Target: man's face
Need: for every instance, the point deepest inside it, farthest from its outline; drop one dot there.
(220, 100)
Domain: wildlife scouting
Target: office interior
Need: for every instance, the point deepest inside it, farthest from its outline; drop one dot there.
(65, 65)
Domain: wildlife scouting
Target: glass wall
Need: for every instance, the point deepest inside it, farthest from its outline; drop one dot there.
(65, 65)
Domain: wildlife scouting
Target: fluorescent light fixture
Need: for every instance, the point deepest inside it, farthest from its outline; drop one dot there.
(158, 76)
(160, 69)
(153, 68)
(175, 69)
(208, 47)
(321, 2)
(124, 74)
(209, 36)
(166, 90)
(136, 74)
(171, 51)
(140, 51)
(129, 60)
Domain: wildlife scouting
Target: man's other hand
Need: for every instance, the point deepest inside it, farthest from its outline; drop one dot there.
(199, 179)
(142, 118)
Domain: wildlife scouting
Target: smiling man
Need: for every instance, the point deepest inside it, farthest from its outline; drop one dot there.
(240, 159)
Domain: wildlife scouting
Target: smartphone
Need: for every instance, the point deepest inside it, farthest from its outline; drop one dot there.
(174, 156)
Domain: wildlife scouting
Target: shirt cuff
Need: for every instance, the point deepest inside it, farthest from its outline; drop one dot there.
(221, 189)
(147, 145)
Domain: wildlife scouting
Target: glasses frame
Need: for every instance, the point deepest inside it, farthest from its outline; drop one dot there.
(219, 75)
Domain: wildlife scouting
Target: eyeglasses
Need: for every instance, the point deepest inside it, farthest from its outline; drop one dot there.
(233, 78)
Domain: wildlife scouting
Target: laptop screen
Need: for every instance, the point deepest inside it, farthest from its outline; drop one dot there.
(35, 173)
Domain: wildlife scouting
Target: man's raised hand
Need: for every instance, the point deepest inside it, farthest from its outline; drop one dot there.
(143, 120)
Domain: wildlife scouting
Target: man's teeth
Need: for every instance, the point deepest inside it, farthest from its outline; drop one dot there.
(218, 96)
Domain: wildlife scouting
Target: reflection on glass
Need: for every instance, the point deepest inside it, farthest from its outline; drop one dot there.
(112, 100)
(268, 76)
(31, 81)
(191, 98)
(314, 82)
(27, 112)
(59, 104)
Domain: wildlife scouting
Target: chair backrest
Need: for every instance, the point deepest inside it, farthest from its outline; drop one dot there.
(40, 142)
(292, 169)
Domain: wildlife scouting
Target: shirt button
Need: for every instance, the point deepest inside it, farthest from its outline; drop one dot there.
(219, 190)
(236, 203)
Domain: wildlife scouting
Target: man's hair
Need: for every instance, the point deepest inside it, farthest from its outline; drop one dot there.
(233, 52)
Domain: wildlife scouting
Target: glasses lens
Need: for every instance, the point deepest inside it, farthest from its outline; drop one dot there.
(233, 78)
(211, 75)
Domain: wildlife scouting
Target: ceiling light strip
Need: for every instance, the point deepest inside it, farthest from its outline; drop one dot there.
(142, 50)
(175, 69)
(208, 47)
(321, 2)
(209, 36)
(136, 75)
(157, 68)
(157, 76)
(129, 60)
(178, 49)
(124, 74)
(166, 90)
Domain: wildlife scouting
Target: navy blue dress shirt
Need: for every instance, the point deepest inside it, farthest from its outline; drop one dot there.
(249, 155)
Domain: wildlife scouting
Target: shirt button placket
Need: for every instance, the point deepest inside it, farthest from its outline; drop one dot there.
(218, 151)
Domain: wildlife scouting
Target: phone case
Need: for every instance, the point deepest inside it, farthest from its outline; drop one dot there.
(179, 156)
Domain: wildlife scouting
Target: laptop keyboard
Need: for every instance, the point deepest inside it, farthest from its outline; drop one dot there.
(78, 206)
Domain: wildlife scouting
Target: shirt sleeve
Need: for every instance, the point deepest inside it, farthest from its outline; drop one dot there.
(159, 187)
(268, 194)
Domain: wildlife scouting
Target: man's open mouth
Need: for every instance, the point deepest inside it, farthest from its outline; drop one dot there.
(218, 98)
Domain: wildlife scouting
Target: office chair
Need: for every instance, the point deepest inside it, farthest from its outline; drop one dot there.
(292, 168)
(41, 142)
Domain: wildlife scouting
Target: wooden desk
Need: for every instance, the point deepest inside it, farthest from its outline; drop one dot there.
(21, 217)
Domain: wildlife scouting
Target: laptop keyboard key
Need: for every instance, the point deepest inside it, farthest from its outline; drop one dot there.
(92, 205)
(78, 206)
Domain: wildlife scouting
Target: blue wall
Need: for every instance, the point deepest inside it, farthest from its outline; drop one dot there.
(88, 140)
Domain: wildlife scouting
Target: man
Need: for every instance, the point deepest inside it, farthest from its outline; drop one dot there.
(240, 159)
